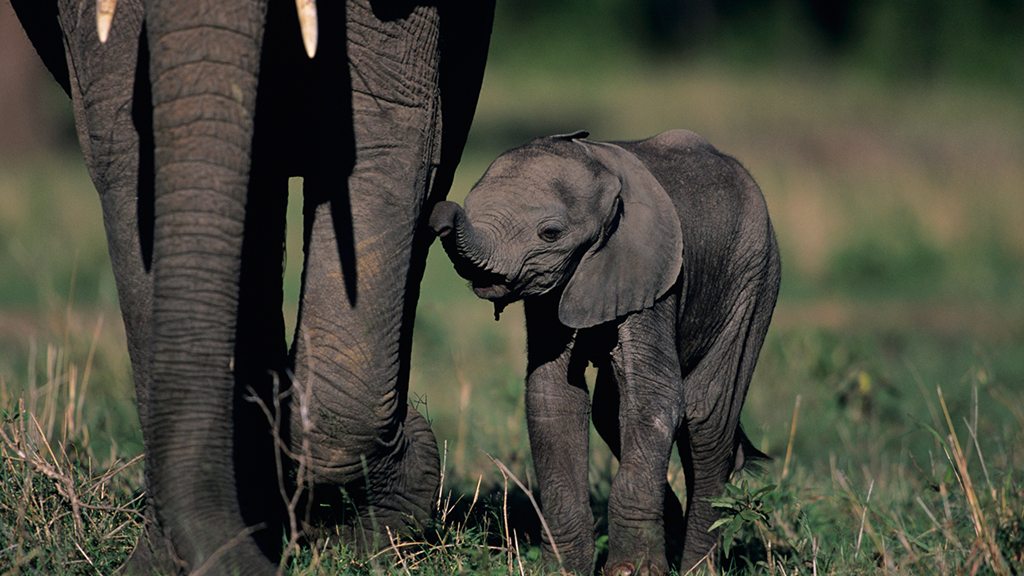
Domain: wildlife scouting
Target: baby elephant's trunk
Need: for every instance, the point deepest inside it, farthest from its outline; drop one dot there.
(442, 219)
(468, 249)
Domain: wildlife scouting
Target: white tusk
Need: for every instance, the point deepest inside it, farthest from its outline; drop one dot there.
(308, 23)
(104, 17)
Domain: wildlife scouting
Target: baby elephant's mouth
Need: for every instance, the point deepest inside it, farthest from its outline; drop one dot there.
(493, 288)
(489, 291)
(489, 286)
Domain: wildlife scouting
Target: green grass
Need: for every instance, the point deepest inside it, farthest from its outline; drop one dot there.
(898, 210)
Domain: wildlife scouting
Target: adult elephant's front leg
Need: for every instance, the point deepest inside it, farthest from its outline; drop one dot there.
(364, 261)
(351, 384)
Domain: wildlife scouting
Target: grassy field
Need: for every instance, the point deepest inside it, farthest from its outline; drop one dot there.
(890, 391)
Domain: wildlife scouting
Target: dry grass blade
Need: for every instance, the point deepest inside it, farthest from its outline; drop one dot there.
(504, 517)
(944, 529)
(81, 395)
(972, 429)
(394, 548)
(116, 471)
(815, 548)
(544, 524)
(705, 562)
(861, 510)
(465, 391)
(863, 517)
(981, 529)
(792, 435)
(64, 483)
(519, 556)
(82, 552)
(440, 490)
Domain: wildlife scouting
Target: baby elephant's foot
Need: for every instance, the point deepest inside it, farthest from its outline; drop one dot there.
(629, 569)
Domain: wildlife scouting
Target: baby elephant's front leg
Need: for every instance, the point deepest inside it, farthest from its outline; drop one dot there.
(646, 367)
(558, 416)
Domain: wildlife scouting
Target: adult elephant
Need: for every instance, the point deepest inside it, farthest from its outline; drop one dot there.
(191, 116)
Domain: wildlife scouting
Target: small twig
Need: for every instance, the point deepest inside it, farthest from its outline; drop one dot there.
(280, 450)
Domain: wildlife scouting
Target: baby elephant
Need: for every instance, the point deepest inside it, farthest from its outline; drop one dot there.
(656, 262)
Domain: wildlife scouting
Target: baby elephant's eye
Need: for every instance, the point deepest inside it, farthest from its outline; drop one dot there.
(549, 233)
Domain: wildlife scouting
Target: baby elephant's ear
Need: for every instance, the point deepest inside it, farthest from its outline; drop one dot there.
(642, 255)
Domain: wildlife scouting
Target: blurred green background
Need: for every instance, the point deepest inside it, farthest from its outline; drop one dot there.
(887, 136)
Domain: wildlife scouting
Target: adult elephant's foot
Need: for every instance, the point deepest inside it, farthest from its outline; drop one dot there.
(417, 477)
(153, 553)
(630, 569)
(395, 498)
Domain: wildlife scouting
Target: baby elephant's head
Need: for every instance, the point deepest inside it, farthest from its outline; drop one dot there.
(566, 214)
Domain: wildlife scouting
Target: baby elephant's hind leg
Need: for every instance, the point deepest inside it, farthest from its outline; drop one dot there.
(714, 394)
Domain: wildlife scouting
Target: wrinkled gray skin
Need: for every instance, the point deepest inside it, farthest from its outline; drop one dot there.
(191, 118)
(655, 261)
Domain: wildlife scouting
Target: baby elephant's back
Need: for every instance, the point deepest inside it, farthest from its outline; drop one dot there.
(713, 193)
(727, 236)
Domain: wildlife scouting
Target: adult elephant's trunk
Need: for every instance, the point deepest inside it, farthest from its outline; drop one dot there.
(204, 59)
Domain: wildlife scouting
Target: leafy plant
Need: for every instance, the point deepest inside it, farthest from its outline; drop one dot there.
(740, 506)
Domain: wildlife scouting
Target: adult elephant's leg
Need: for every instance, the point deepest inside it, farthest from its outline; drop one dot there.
(362, 264)
(203, 70)
(558, 419)
(650, 409)
(109, 88)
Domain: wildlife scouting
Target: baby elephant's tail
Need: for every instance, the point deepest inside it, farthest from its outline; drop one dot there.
(747, 455)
